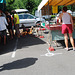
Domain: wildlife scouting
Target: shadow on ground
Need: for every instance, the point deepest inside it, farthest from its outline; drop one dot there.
(19, 43)
(18, 64)
(62, 43)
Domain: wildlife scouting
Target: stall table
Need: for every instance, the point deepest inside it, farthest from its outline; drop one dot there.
(55, 32)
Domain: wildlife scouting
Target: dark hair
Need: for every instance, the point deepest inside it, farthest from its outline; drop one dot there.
(13, 11)
(65, 8)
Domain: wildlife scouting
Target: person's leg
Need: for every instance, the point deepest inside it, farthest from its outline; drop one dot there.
(0, 39)
(66, 39)
(17, 30)
(71, 40)
(4, 39)
(11, 34)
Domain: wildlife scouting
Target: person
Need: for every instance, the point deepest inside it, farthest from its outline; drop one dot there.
(12, 21)
(16, 22)
(8, 16)
(3, 23)
(67, 26)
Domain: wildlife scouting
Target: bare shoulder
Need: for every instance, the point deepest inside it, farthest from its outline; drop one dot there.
(69, 14)
(61, 15)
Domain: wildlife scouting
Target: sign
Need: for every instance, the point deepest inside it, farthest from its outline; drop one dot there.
(55, 9)
(2, 1)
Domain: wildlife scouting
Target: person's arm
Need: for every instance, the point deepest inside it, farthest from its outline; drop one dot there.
(60, 18)
(15, 19)
(8, 20)
(71, 21)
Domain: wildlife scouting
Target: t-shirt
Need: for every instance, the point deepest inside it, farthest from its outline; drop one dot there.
(17, 17)
(66, 19)
(3, 23)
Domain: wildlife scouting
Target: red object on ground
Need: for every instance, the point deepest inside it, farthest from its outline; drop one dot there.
(41, 36)
(42, 28)
(51, 48)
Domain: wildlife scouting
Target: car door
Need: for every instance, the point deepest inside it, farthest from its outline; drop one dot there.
(30, 19)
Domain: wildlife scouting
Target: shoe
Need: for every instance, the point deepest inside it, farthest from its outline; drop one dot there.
(73, 49)
(67, 49)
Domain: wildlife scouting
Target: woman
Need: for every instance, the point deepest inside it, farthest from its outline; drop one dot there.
(67, 27)
(8, 16)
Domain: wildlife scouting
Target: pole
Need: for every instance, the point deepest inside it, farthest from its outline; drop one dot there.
(50, 37)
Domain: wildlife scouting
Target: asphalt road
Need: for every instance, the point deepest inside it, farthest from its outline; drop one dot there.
(30, 55)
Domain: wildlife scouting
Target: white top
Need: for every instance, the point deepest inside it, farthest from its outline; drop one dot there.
(66, 19)
(3, 23)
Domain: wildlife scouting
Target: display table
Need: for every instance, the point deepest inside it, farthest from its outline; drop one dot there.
(56, 32)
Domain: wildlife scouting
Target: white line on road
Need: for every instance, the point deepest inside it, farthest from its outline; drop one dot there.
(14, 51)
(50, 54)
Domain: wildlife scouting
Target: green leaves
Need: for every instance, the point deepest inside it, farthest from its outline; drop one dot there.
(31, 5)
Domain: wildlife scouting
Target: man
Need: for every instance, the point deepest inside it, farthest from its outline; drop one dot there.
(3, 28)
(67, 27)
(16, 21)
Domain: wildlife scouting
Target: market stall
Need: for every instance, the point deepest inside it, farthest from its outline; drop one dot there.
(55, 29)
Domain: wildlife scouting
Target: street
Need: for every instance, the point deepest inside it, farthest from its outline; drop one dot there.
(30, 55)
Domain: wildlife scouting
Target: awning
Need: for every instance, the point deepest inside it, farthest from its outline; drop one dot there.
(55, 3)
(2, 1)
(42, 4)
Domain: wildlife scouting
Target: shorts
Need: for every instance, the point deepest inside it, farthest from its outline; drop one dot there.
(17, 28)
(3, 33)
(9, 27)
(67, 28)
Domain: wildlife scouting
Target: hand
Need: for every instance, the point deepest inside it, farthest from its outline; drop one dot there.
(72, 27)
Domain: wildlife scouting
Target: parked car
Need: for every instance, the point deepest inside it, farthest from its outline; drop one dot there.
(28, 20)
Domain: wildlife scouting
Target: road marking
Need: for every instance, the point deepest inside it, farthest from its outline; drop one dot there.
(49, 54)
(14, 51)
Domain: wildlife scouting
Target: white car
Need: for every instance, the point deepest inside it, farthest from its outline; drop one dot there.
(28, 20)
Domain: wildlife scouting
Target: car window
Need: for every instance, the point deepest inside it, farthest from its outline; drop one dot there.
(20, 16)
(25, 16)
(30, 17)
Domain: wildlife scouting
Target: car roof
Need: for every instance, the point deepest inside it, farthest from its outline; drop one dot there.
(21, 10)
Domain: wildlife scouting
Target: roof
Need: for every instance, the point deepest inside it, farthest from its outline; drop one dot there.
(55, 3)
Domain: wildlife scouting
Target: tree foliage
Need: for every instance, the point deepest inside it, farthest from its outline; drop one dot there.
(31, 5)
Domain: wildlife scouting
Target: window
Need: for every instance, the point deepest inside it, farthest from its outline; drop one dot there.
(20, 16)
(26, 16)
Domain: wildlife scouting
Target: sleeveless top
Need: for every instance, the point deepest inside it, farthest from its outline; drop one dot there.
(66, 19)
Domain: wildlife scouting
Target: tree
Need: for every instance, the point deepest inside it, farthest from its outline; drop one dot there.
(31, 5)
